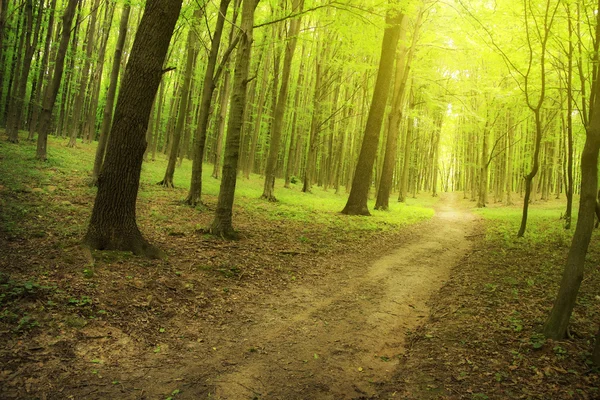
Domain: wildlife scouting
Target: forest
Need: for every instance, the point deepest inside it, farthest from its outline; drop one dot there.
(299, 199)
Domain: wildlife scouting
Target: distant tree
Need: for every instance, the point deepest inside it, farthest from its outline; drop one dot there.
(52, 89)
(222, 223)
(190, 64)
(113, 223)
(357, 201)
(15, 109)
(77, 126)
(279, 112)
(110, 95)
(208, 87)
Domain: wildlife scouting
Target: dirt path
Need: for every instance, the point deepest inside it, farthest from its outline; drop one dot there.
(339, 338)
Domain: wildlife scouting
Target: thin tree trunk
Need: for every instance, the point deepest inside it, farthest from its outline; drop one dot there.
(222, 223)
(110, 95)
(277, 127)
(52, 89)
(113, 223)
(208, 88)
(90, 124)
(77, 126)
(192, 50)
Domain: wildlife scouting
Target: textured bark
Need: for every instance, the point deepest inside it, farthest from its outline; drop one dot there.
(110, 95)
(205, 102)
(277, 127)
(52, 89)
(192, 50)
(113, 223)
(357, 201)
(222, 223)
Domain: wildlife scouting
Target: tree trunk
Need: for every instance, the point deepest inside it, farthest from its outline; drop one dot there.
(205, 102)
(90, 123)
(37, 95)
(558, 321)
(192, 50)
(16, 104)
(404, 188)
(52, 89)
(222, 223)
(77, 126)
(531, 175)
(277, 127)
(110, 95)
(224, 93)
(357, 201)
(113, 223)
(394, 120)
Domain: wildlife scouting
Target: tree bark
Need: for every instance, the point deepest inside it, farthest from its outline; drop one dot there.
(52, 89)
(113, 223)
(222, 222)
(357, 201)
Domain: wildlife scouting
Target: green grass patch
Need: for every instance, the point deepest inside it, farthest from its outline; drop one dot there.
(21, 172)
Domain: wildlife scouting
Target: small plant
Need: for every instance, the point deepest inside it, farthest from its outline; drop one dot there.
(26, 323)
(537, 340)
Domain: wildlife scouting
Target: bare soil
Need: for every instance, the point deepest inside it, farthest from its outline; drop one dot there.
(266, 317)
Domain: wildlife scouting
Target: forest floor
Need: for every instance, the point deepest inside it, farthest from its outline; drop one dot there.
(445, 308)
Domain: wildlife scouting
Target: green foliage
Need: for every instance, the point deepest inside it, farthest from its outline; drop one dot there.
(12, 290)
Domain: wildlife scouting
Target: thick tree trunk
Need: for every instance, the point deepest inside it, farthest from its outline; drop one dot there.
(113, 223)
(277, 127)
(222, 223)
(52, 89)
(357, 201)
(110, 95)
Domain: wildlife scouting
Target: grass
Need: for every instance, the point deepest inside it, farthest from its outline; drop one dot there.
(544, 224)
(21, 172)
